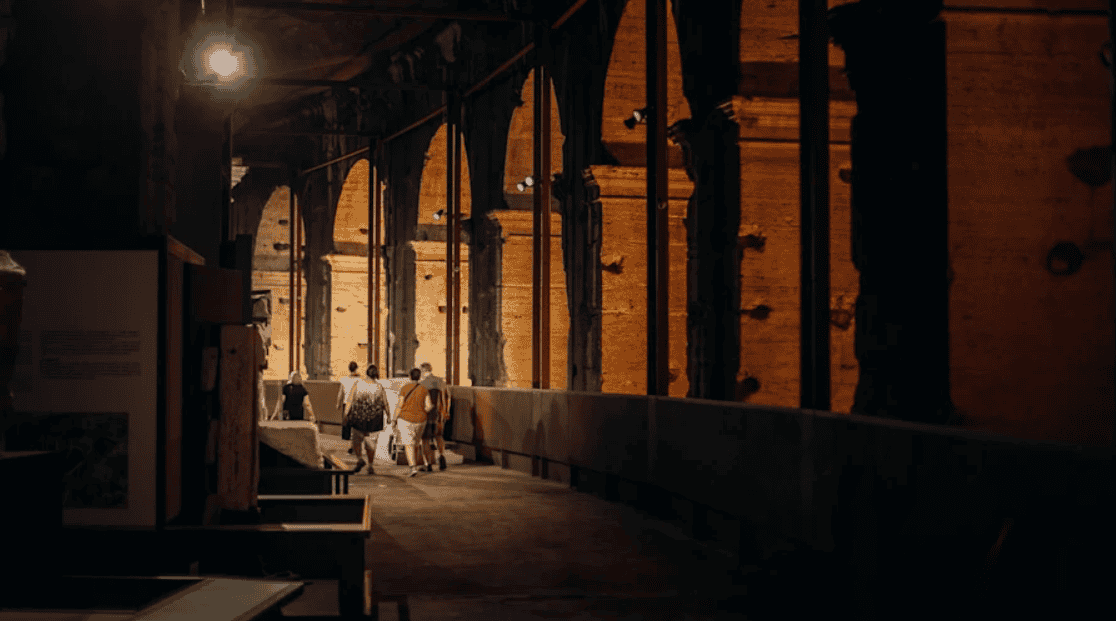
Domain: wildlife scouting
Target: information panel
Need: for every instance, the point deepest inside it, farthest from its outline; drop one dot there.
(86, 379)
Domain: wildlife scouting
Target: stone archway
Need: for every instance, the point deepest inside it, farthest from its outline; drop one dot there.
(430, 260)
(271, 265)
(350, 269)
(623, 192)
(516, 224)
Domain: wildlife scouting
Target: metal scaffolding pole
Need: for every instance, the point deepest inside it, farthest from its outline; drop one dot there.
(540, 234)
(373, 257)
(1112, 128)
(291, 274)
(296, 307)
(451, 214)
(658, 235)
(813, 78)
(454, 239)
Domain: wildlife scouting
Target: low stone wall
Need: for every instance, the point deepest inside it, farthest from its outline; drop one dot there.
(749, 476)
(323, 398)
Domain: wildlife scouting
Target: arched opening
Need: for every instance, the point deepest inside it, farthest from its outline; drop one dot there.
(430, 261)
(623, 196)
(349, 304)
(516, 293)
(271, 273)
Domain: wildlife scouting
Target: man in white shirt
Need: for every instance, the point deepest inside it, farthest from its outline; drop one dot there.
(442, 403)
(346, 388)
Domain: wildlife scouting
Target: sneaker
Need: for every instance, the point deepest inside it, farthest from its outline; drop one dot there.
(441, 462)
(429, 468)
(370, 470)
(414, 471)
(360, 464)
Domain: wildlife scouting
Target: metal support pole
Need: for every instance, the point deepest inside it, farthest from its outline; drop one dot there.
(297, 307)
(1112, 128)
(226, 179)
(540, 233)
(658, 235)
(455, 240)
(373, 258)
(451, 212)
(291, 273)
(813, 78)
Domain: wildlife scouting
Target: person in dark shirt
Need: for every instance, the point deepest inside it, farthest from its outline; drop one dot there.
(295, 401)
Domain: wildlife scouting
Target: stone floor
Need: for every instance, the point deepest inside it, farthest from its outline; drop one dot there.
(480, 542)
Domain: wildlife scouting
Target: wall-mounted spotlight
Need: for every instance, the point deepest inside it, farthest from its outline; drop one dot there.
(638, 116)
(439, 214)
(527, 182)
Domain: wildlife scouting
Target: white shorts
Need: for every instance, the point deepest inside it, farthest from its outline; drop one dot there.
(408, 433)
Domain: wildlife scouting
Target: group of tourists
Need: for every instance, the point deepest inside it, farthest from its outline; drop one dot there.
(418, 420)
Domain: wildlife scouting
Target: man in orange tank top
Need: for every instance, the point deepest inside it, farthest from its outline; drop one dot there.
(410, 417)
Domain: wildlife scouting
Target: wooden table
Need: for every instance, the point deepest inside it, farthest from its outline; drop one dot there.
(316, 537)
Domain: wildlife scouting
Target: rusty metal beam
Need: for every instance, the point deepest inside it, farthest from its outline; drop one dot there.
(540, 234)
(373, 259)
(454, 240)
(658, 235)
(342, 158)
(357, 82)
(309, 134)
(291, 273)
(813, 127)
(451, 213)
(296, 306)
(495, 73)
(1111, 60)
(371, 9)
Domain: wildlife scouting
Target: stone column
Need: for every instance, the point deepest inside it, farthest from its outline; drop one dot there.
(710, 61)
(713, 261)
(895, 57)
(487, 119)
(579, 67)
(317, 217)
(405, 157)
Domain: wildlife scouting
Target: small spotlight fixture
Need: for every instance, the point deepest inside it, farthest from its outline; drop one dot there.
(637, 117)
(527, 182)
(439, 214)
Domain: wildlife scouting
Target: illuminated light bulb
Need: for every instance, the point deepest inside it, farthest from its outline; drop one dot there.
(519, 186)
(529, 181)
(637, 115)
(223, 62)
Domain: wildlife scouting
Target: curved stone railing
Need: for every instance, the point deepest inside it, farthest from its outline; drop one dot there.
(807, 476)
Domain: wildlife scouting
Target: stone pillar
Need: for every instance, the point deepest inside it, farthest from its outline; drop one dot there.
(579, 67)
(895, 57)
(710, 62)
(713, 260)
(405, 157)
(317, 217)
(486, 140)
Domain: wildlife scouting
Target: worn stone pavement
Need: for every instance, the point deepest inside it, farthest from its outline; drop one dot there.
(481, 542)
